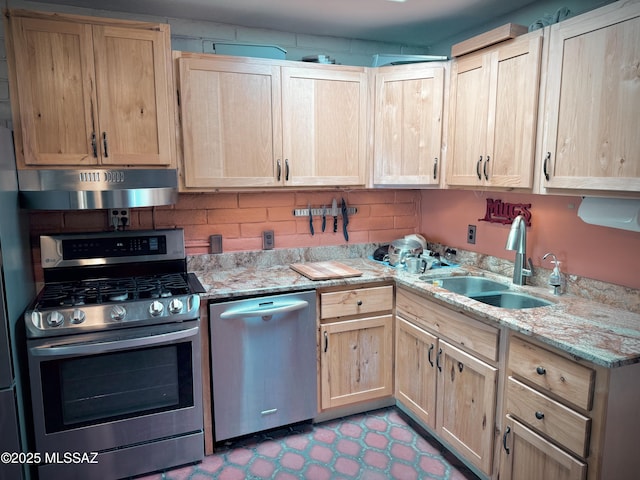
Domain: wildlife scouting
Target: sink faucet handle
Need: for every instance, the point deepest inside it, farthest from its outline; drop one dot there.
(528, 272)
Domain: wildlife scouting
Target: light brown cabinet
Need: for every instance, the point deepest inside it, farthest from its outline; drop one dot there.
(266, 123)
(493, 115)
(356, 346)
(591, 140)
(532, 457)
(442, 380)
(565, 419)
(408, 116)
(89, 91)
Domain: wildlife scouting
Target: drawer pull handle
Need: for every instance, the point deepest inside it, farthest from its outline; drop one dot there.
(359, 302)
(429, 354)
(460, 366)
(504, 439)
(326, 341)
(541, 371)
(539, 415)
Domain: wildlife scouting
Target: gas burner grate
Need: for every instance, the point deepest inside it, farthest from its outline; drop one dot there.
(89, 292)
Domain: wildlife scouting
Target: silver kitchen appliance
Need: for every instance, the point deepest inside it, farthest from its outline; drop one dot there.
(113, 346)
(17, 289)
(263, 354)
(70, 189)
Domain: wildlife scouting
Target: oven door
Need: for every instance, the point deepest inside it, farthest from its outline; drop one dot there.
(106, 390)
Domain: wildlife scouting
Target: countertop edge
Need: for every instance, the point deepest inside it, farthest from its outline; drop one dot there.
(555, 326)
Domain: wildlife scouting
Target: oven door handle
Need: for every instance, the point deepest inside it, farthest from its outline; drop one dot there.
(92, 348)
(263, 312)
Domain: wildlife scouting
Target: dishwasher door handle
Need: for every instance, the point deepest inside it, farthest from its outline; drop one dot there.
(251, 312)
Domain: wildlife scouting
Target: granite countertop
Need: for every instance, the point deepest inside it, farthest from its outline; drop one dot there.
(604, 335)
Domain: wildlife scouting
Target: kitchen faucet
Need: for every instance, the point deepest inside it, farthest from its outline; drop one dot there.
(517, 240)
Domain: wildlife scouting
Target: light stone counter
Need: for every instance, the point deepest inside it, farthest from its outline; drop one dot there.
(605, 335)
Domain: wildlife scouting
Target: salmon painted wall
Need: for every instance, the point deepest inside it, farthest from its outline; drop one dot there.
(607, 254)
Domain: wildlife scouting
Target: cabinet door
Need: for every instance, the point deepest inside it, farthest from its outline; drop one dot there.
(57, 106)
(513, 113)
(356, 360)
(324, 123)
(469, 97)
(494, 114)
(416, 374)
(593, 99)
(230, 115)
(466, 404)
(528, 456)
(408, 125)
(132, 78)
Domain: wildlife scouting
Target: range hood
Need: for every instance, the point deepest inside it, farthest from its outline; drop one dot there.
(97, 189)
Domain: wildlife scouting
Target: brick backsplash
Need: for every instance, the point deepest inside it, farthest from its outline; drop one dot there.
(383, 215)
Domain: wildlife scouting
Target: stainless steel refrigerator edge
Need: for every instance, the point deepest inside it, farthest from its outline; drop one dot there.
(16, 291)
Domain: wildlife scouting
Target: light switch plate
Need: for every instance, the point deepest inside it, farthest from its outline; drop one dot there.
(215, 243)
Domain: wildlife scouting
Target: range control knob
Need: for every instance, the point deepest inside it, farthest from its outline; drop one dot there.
(118, 312)
(55, 319)
(77, 316)
(175, 305)
(156, 308)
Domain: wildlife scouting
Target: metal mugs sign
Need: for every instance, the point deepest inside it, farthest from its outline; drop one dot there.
(500, 212)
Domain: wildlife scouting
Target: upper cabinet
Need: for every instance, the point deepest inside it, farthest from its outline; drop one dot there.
(591, 140)
(324, 125)
(408, 113)
(493, 115)
(90, 91)
(230, 123)
(262, 123)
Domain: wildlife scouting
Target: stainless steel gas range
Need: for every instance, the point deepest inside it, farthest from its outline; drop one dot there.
(113, 344)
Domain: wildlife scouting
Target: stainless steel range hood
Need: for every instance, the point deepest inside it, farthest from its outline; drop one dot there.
(97, 189)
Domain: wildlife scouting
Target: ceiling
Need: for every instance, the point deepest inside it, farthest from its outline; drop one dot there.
(412, 22)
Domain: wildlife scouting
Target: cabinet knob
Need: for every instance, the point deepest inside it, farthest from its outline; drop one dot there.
(539, 415)
(541, 371)
(359, 302)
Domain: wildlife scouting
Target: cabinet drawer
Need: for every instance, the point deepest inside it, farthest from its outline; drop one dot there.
(476, 336)
(565, 378)
(567, 427)
(356, 302)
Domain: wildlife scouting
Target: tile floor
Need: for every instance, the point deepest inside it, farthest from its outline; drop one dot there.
(379, 445)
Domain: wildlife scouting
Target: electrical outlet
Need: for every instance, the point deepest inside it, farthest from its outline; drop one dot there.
(471, 234)
(119, 218)
(268, 240)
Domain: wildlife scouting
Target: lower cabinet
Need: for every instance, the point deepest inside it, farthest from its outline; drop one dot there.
(530, 456)
(567, 419)
(356, 345)
(448, 387)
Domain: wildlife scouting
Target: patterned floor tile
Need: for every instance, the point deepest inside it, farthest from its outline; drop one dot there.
(378, 445)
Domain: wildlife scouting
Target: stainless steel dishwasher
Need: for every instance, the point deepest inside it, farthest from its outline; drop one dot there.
(263, 363)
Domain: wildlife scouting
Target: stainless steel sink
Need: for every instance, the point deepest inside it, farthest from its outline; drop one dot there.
(467, 285)
(512, 300)
(487, 291)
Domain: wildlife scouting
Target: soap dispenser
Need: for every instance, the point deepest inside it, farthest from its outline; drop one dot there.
(555, 279)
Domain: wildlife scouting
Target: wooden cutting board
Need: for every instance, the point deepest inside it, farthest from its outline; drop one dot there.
(325, 270)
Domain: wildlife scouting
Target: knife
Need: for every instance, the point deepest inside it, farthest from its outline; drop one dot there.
(324, 217)
(345, 220)
(310, 220)
(334, 212)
